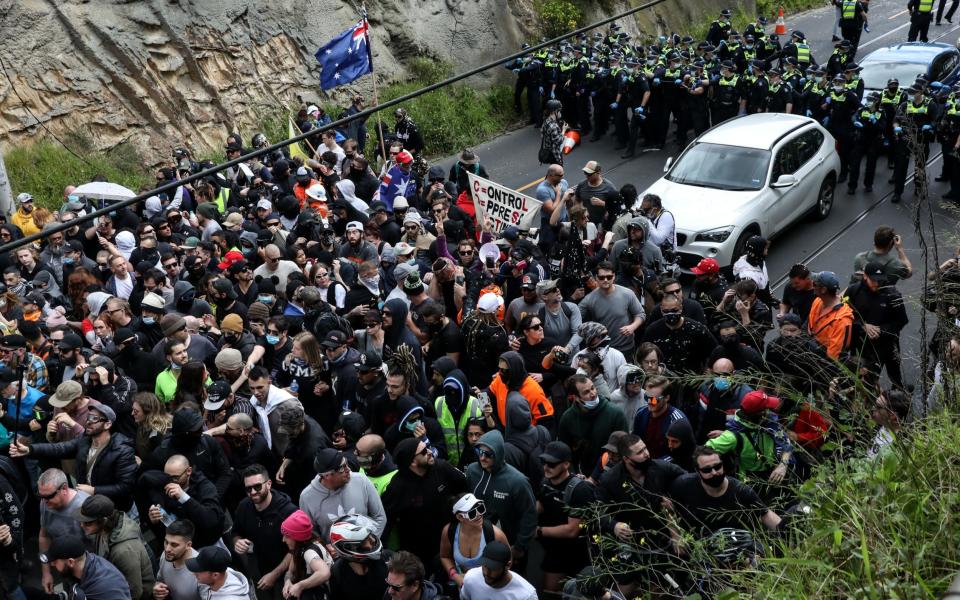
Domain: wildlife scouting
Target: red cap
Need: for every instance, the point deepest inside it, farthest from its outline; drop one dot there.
(755, 402)
(231, 257)
(404, 157)
(706, 266)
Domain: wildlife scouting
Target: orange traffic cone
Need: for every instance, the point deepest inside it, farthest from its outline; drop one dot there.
(781, 25)
(571, 139)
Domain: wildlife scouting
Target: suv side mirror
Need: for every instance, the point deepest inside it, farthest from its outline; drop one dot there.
(784, 181)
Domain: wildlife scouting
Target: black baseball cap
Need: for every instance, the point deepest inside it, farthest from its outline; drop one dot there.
(63, 547)
(212, 558)
(873, 270)
(334, 339)
(495, 555)
(556, 452)
(217, 394)
(369, 361)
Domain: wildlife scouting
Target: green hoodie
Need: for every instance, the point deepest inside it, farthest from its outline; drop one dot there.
(506, 492)
(124, 547)
(587, 432)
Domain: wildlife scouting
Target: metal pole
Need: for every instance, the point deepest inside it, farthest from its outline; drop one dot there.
(6, 193)
(173, 185)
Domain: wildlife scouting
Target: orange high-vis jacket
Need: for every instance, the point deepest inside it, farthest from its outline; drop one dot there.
(833, 327)
(540, 405)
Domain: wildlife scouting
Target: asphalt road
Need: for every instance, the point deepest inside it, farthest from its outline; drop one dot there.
(830, 245)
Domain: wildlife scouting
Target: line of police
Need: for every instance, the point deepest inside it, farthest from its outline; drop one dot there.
(696, 85)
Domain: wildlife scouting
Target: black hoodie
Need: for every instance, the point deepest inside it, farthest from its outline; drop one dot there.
(407, 408)
(683, 455)
(263, 528)
(418, 506)
(524, 442)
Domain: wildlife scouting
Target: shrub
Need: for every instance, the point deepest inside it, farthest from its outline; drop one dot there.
(557, 16)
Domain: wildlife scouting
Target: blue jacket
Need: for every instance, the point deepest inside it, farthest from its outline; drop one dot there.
(642, 418)
(101, 581)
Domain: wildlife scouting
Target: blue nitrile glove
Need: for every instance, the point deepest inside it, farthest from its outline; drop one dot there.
(614, 106)
(858, 124)
(886, 143)
(741, 112)
(927, 128)
(936, 85)
(809, 113)
(803, 81)
(656, 81)
(827, 100)
(516, 70)
(898, 129)
(552, 95)
(866, 28)
(593, 94)
(540, 89)
(638, 110)
(677, 82)
(873, 119)
(826, 121)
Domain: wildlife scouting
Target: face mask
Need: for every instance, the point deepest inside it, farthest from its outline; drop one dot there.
(672, 318)
(232, 339)
(365, 461)
(175, 367)
(149, 320)
(838, 88)
(592, 404)
(412, 425)
(714, 481)
(68, 260)
(265, 299)
(371, 282)
(898, 129)
(721, 384)
(273, 340)
(730, 340)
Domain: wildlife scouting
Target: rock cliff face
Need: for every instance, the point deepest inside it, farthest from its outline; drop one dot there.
(158, 72)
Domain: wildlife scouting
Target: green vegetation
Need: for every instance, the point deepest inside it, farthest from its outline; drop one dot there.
(46, 167)
(878, 529)
(557, 16)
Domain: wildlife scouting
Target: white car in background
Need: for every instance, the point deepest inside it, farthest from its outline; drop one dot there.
(751, 175)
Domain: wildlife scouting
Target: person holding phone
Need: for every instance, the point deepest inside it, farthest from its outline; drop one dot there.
(888, 252)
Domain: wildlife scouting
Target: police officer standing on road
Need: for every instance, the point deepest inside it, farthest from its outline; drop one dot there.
(798, 49)
(851, 23)
(841, 104)
(912, 129)
(866, 141)
(890, 100)
(727, 93)
(639, 99)
(921, 13)
(779, 98)
(755, 90)
(840, 57)
(720, 28)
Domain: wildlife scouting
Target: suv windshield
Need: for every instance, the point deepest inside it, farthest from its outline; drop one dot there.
(721, 167)
(875, 75)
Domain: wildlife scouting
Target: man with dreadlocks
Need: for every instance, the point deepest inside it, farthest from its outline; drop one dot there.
(397, 337)
(484, 339)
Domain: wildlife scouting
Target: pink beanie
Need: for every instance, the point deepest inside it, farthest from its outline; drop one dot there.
(297, 527)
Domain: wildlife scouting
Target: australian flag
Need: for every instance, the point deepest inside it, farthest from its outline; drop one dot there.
(345, 57)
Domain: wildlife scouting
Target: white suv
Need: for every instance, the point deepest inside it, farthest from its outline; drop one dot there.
(752, 175)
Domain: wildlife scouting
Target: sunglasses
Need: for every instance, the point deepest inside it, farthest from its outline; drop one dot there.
(253, 488)
(479, 509)
(535, 327)
(395, 587)
(51, 494)
(95, 419)
(605, 277)
(711, 468)
(552, 465)
(466, 252)
(424, 452)
(484, 453)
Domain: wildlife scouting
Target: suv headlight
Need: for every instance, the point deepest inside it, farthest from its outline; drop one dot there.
(715, 236)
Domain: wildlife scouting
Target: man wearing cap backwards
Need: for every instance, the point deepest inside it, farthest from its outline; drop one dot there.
(831, 319)
(765, 450)
(494, 579)
(335, 492)
(417, 499)
(357, 250)
(565, 550)
(709, 499)
(709, 286)
(116, 537)
(211, 566)
(879, 316)
(96, 578)
(105, 462)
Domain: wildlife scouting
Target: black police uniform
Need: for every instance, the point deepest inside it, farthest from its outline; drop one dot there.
(841, 105)
(866, 142)
(921, 13)
(727, 94)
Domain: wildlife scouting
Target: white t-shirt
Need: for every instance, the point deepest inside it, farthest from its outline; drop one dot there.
(285, 268)
(475, 588)
(124, 286)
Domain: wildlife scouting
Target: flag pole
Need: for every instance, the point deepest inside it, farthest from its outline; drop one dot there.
(373, 76)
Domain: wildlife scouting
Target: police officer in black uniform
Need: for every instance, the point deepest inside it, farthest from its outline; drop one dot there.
(851, 23)
(640, 97)
(674, 97)
(890, 100)
(921, 13)
(755, 90)
(799, 49)
(852, 81)
(727, 93)
(720, 28)
(869, 124)
(913, 128)
(948, 131)
(697, 85)
(620, 83)
(841, 104)
(840, 57)
(779, 98)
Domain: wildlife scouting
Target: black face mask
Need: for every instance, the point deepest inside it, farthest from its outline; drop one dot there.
(672, 318)
(714, 481)
(232, 339)
(730, 341)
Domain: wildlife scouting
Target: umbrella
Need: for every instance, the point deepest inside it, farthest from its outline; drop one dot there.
(103, 190)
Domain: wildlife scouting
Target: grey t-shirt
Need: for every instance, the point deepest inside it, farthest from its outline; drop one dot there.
(613, 310)
(181, 582)
(893, 267)
(562, 328)
(517, 309)
(59, 523)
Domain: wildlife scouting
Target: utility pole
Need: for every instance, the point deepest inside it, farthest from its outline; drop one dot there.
(6, 194)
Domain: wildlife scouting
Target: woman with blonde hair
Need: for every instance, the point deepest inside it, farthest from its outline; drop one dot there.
(153, 421)
(300, 374)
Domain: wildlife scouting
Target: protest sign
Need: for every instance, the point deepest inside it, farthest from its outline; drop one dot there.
(503, 206)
